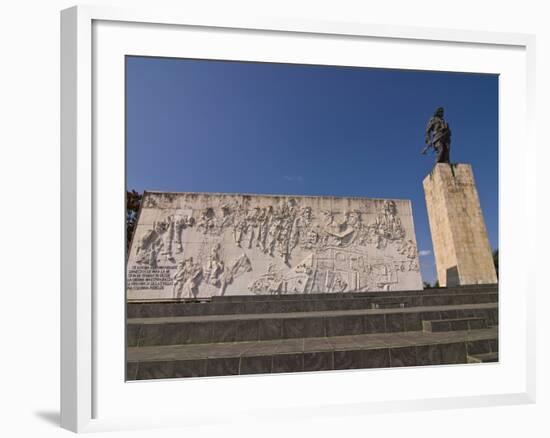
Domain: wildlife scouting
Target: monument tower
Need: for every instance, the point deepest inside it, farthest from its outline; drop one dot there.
(459, 236)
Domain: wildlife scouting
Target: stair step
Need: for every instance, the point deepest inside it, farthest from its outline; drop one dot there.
(443, 325)
(390, 305)
(471, 289)
(483, 357)
(259, 327)
(305, 303)
(306, 354)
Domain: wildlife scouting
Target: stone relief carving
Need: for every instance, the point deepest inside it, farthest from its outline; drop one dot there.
(280, 244)
(159, 241)
(187, 279)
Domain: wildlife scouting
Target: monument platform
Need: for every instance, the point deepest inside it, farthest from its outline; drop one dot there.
(290, 333)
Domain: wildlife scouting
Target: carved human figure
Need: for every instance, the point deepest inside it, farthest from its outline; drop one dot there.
(236, 268)
(353, 219)
(187, 278)
(239, 228)
(262, 220)
(388, 224)
(283, 240)
(179, 279)
(149, 244)
(214, 267)
(181, 223)
(301, 227)
(438, 136)
(194, 278)
(253, 225)
(152, 262)
(205, 223)
(272, 235)
(225, 218)
(167, 239)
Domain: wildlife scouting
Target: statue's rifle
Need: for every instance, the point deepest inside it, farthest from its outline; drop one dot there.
(428, 146)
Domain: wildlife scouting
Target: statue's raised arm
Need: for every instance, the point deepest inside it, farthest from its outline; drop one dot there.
(438, 136)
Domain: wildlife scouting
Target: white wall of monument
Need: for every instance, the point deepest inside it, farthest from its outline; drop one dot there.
(194, 245)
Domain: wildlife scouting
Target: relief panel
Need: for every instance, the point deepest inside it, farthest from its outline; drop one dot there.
(191, 245)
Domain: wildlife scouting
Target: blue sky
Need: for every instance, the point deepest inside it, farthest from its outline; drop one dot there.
(222, 126)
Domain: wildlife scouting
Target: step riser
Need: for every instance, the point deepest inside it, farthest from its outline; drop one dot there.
(446, 326)
(145, 310)
(435, 354)
(176, 333)
(476, 359)
(442, 291)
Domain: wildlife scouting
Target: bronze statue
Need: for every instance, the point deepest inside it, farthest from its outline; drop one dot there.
(438, 137)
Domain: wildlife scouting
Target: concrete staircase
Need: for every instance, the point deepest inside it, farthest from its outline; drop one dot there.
(290, 333)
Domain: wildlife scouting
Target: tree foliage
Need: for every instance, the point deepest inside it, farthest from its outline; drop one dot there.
(427, 285)
(133, 201)
(495, 260)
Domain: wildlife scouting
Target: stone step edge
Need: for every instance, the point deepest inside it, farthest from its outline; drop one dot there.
(294, 298)
(483, 357)
(468, 318)
(167, 309)
(470, 289)
(442, 353)
(348, 342)
(314, 314)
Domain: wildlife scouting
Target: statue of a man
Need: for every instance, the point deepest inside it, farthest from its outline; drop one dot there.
(438, 136)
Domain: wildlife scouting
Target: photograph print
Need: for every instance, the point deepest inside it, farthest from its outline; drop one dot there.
(285, 218)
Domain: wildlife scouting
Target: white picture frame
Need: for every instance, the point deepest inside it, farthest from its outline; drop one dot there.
(89, 399)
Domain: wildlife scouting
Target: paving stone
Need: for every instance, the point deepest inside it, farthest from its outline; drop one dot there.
(483, 358)
(348, 359)
(344, 325)
(131, 370)
(412, 321)
(428, 355)
(225, 366)
(403, 356)
(190, 368)
(319, 361)
(477, 324)
(152, 334)
(459, 325)
(448, 314)
(224, 331)
(317, 344)
(395, 322)
(288, 363)
(453, 353)
(376, 358)
(270, 329)
(155, 370)
(290, 346)
(478, 347)
(248, 330)
(375, 323)
(303, 327)
(255, 364)
(132, 335)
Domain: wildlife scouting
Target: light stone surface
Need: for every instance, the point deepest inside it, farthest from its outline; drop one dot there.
(461, 246)
(196, 245)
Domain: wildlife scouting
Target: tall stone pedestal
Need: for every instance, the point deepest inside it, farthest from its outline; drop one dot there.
(461, 246)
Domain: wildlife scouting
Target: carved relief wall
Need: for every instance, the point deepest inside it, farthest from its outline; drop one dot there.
(195, 245)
